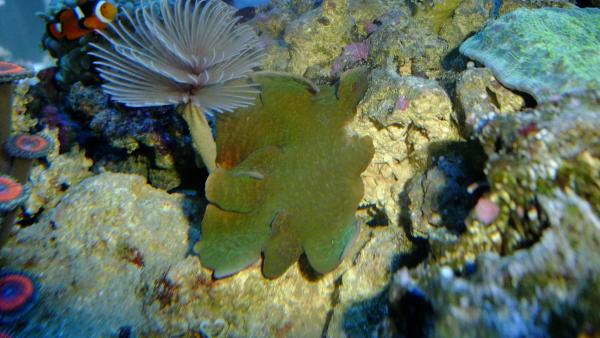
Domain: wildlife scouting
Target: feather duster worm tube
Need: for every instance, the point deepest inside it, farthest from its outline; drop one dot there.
(187, 52)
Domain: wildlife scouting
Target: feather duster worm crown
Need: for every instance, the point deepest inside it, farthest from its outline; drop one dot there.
(178, 52)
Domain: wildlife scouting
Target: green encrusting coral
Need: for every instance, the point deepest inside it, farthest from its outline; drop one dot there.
(287, 180)
(436, 13)
(546, 52)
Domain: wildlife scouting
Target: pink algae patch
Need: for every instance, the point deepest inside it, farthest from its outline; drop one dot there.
(486, 211)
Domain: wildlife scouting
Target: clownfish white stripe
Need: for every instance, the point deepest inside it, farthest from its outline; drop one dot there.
(79, 13)
(98, 12)
(58, 27)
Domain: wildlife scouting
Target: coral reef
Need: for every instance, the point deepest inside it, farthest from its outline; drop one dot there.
(485, 200)
(49, 182)
(435, 13)
(331, 24)
(439, 199)
(551, 147)
(17, 153)
(400, 45)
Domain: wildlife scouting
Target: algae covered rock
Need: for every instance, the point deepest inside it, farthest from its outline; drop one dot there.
(318, 36)
(404, 115)
(50, 181)
(545, 52)
(436, 13)
(400, 44)
(287, 180)
(453, 20)
(529, 156)
(551, 289)
(481, 95)
(100, 246)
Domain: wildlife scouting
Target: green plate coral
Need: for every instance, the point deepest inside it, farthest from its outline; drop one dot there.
(287, 180)
(544, 52)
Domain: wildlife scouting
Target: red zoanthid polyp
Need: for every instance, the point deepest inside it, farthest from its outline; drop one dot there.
(19, 292)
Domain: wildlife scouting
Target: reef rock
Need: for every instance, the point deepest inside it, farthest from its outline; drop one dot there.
(530, 155)
(95, 251)
(551, 289)
(152, 142)
(49, 182)
(400, 45)
(481, 95)
(438, 200)
(406, 117)
(318, 36)
(452, 20)
(337, 303)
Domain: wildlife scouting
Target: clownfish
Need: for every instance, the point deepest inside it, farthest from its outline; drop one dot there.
(73, 23)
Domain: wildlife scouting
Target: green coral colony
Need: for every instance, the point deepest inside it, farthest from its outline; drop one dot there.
(558, 55)
(287, 180)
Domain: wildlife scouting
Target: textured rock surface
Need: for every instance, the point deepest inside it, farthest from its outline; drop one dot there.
(467, 18)
(402, 46)
(49, 183)
(530, 155)
(558, 54)
(113, 240)
(404, 116)
(93, 253)
(318, 36)
(151, 142)
(550, 289)
(481, 95)
(439, 199)
(294, 305)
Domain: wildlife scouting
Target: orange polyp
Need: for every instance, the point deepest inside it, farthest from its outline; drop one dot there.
(31, 143)
(11, 191)
(7, 68)
(9, 304)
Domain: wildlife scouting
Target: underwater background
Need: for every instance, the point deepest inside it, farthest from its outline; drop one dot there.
(300, 168)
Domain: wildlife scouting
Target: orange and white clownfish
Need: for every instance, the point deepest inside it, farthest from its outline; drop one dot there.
(73, 23)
